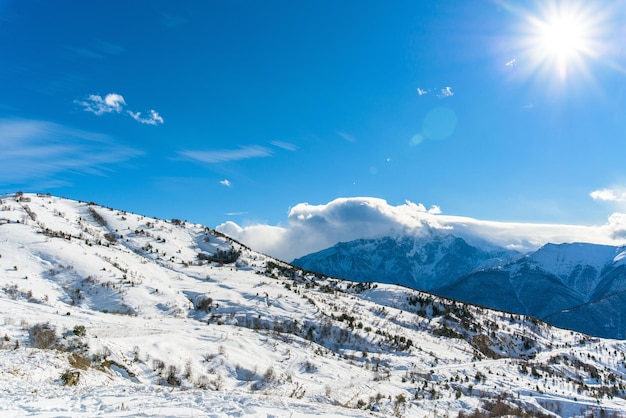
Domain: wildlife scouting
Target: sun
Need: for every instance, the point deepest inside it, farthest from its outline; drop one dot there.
(562, 38)
(563, 41)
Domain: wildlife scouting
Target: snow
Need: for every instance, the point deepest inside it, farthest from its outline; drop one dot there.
(562, 259)
(170, 333)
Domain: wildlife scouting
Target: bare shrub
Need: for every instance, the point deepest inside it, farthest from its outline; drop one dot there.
(157, 365)
(79, 331)
(42, 336)
(110, 237)
(79, 362)
(204, 303)
(70, 377)
(172, 379)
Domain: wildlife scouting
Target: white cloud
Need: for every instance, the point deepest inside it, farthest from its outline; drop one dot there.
(284, 145)
(115, 103)
(609, 195)
(98, 105)
(34, 149)
(443, 93)
(312, 228)
(446, 92)
(226, 183)
(346, 136)
(511, 63)
(617, 225)
(434, 210)
(153, 119)
(222, 156)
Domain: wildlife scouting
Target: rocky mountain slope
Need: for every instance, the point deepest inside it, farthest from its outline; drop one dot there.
(424, 262)
(577, 286)
(106, 312)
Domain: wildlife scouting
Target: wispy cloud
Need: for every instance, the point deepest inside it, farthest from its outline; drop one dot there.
(153, 119)
(235, 213)
(226, 183)
(172, 21)
(109, 48)
(222, 156)
(315, 227)
(115, 103)
(97, 50)
(35, 150)
(346, 136)
(284, 145)
(88, 53)
(446, 92)
(99, 105)
(442, 93)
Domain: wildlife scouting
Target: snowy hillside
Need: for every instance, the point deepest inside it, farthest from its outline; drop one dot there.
(578, 286)
(106, 312)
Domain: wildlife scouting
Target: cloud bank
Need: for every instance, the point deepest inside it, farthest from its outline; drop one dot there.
(312, 228)
(115, 103)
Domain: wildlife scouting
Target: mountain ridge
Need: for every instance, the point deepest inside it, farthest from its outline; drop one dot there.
(428, 260)
(551, 283)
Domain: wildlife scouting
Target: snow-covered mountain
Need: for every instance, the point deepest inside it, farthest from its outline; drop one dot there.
(112, 313)
(577, 286)
(426, 261)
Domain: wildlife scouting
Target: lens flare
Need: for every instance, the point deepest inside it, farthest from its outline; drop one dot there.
(560, 40)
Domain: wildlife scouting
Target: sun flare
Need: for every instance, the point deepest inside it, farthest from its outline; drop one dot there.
(564, 41)
(563, 38)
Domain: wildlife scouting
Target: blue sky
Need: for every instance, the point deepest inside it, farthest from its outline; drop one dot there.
(240, 110)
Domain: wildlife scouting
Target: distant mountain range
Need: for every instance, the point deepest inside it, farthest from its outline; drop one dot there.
(576, 286)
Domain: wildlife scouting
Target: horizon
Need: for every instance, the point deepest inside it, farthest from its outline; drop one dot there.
(242, 112)
(312, 228)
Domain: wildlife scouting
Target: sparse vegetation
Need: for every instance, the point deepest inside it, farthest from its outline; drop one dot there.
(80, 330)
(43, 336)
(70, 377)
